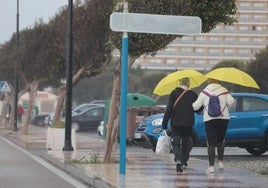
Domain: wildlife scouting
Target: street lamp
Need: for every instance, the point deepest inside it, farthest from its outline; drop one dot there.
(69, 79)
(15, 128)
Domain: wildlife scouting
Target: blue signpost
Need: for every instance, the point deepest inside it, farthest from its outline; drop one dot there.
(144, 23)
(123, 102)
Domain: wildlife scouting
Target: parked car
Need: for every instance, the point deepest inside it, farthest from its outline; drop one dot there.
(82, 107)
(248, 126)
(40, 120)
(89, 119)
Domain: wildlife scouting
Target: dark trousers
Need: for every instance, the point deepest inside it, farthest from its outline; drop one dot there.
(182, 144)
(216, 131)
(20, 118)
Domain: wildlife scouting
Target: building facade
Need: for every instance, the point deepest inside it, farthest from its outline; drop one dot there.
(240, 41)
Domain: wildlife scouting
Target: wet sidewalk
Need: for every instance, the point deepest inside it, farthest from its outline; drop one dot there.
(143, 169)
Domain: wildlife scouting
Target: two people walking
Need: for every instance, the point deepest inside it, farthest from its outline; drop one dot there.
(181, 116)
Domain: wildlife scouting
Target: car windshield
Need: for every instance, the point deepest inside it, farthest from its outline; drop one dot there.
(88, 109)
(82, 107)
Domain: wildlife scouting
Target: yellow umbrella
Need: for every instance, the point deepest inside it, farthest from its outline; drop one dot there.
(170, 82)
(232, 75)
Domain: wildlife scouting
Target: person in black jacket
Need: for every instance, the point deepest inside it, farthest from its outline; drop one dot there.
(181, 116)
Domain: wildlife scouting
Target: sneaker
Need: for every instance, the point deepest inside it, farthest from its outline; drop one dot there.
(184, 166)
(179, 167)
(210, 170)
(221, 167)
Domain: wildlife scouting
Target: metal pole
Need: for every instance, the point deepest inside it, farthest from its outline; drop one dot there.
(15, 128)
(69, 78)
(123, 99)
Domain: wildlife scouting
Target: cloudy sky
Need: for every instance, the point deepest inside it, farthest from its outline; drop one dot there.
(29, 12)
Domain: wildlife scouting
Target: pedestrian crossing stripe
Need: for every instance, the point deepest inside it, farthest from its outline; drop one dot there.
(5, 87)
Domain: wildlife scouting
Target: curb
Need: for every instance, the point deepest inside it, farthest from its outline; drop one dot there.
(85, 176)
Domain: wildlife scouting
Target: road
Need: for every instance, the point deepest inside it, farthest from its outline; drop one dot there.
(19, 168)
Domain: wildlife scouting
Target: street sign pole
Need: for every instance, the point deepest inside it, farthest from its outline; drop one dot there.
(123, 99)
(15, 128)
(123, 103)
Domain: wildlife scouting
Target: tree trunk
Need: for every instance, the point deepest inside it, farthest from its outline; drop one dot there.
(60, 104)
(112, 129)
(113, 122)
(62, 93)
(6, 113)
(32, 95)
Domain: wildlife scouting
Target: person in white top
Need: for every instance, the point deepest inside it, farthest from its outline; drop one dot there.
(215, 126)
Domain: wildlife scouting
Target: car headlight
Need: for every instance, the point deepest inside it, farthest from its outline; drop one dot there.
(157, 122)
(157, 130)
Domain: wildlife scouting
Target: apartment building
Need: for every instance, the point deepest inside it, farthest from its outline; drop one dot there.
(201, 52)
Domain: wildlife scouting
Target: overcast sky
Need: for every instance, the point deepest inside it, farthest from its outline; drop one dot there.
(29, 12)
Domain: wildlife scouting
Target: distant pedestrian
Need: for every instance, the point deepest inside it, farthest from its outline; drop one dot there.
(216, 127)
(20, 113)
(181, 115)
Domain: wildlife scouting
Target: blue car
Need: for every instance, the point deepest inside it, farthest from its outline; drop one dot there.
(248, 126)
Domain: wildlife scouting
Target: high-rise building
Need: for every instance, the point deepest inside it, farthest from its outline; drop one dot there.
(239, 41)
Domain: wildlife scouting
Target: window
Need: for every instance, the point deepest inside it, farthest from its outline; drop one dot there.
(187, 38)
(258, 4)
(199, 50)
(171, 61)
(244, 4)
(252, 104)
(200, 62)
(185, 61)
(229, 39)
(186, 49)
(245, 16)
(228, 50)
(244, 28)
(243, 39)
(257, 39)
(214, 39)
(259, 28)
(94, 112)
(233, 107)
(258, 16)
(214, 50)
(200, 38)
(229, 27)
(244, 51)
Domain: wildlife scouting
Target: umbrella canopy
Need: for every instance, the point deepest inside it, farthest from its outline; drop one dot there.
(171, 81)
(137, 99)
(232, 75)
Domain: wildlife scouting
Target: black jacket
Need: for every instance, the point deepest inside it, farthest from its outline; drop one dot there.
(183, 113)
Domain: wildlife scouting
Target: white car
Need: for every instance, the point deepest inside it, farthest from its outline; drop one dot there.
(101, 128)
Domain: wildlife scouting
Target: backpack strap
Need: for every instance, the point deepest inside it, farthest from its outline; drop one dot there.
(179, 97)
(209, 95)
(206, 93)
(224, 93)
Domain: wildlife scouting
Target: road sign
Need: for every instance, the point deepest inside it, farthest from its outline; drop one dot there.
(4, 87)
(154, 23)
